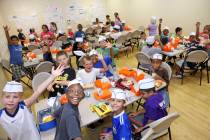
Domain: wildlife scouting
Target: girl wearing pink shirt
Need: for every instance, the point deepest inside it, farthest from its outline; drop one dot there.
(47, 36)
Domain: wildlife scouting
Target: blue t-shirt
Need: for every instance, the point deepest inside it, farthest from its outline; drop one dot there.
(164, 39)
(80, 34)
(15, 54)
(108, 62)
(154, 107)
(121, 127)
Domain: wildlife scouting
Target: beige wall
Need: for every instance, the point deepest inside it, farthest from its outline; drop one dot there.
(175, 13)
(24, 8)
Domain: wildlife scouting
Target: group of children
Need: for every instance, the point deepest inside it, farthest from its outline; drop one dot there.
(98, 63)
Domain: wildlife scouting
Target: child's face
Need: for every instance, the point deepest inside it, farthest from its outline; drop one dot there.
(94, 59)
(179, 33)
(192, 38)
(75, 94)
(69, 30)
(146, 95)
(45, 49)
(44, 29)
(205, 30)
(143, 36)
(117, 105)
(11, 100)
(15, 41)
(156, 64)
(165, 32)
(63, 60)
(88, 65)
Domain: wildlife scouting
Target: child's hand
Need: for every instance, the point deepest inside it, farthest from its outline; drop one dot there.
(58, 71)
(50, 88)
(6, 28)
(100, 56)
(198, 24)
(160, 20)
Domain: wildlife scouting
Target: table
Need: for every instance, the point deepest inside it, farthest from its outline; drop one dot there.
(87, 116)
(175, 52)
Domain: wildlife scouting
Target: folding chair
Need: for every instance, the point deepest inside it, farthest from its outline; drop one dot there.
(208, 68)
(120, 43)
(32, 47)
(135, 38)
(169, 71)
(161, 126)
(128, 41)
(148, 135)
(199, 57)
(39, 79)
(143, 59)
(45, 66)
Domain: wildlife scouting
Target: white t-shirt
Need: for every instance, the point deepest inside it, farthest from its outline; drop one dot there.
(88, 77)
(21, 126)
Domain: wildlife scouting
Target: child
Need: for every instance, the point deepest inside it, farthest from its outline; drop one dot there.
(178, 32)
(47, 56)
(47, 36)
(160, 73)
(53, 27)
(121, 126)
(89, 74)
(21, 36)
(60, 83)
(66, 42)
(164, 35)
(78, 46)
(98, 62)
(191, 45)
(15, 118)
(152, 27)
(153, 106)
(142, 41)
(67, 116)
(149, 49)
(70, 33)
(32, 32)
(108, 20)
(118, 21)
(16, 60)
(80, 33)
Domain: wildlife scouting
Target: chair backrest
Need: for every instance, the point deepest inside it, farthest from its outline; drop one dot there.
(163, 123)
(148, 135)
(136, 34)
(197, 56)
(143, 58)
(89, 30)
(37, 51)
(45, 66)
(121, 40)
(128, 36)
(168, 68)
(5, 63)
(57, 44)
(32, 47)
(39, 79)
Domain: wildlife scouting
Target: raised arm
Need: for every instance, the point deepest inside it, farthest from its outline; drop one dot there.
(159, 26)
(105, 68)
(29, 101)
(197, 30)
(6, 30)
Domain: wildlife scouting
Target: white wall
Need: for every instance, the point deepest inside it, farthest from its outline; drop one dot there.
(175, 13)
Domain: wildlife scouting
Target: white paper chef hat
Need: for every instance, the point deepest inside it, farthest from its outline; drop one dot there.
(153, 19)
(13, 87)
(31, 36)
(79, 39)
(117, 27)
(150, 40)
(192, 34)
(157, 56)
(101, 38)
(93, 52)
(61, 32)
(166, 28)
(78, 80)
(146, 83)
(118, 94)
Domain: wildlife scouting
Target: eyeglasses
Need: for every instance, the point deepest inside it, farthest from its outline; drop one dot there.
(75, 92)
